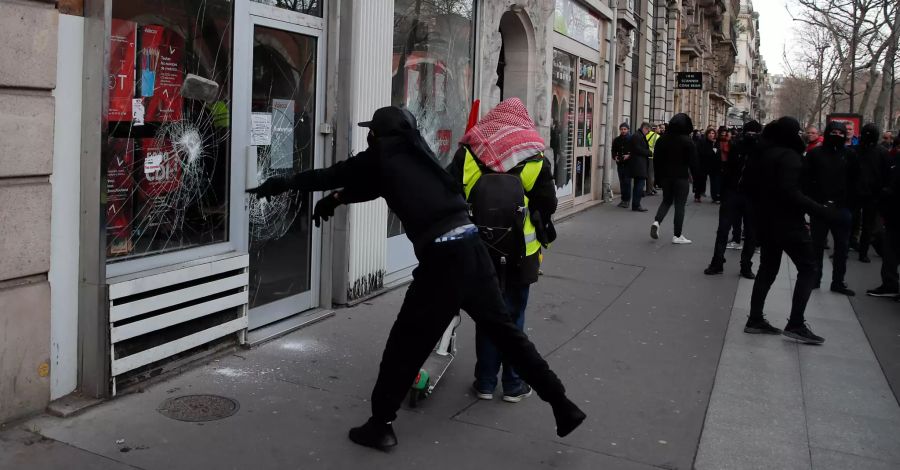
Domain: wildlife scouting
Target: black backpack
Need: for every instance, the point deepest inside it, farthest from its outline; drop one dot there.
(497, 208)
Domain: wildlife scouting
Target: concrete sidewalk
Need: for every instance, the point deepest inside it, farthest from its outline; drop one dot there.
(632, 326)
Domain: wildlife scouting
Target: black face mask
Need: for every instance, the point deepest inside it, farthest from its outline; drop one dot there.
(370, 139)
(835, 141)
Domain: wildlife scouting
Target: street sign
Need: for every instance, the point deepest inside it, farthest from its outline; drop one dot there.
(689, 80)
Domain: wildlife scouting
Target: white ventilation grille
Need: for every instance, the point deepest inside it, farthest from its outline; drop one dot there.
(155, 317)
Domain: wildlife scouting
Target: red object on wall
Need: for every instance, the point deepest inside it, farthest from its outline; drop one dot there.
(161, 171)
(444, 137)
(162, 51)
(123, 35)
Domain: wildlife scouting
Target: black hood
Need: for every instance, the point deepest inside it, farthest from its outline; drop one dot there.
(869, 135)
(784, 132)
(680, 124)
(835, 126)
(394, 121)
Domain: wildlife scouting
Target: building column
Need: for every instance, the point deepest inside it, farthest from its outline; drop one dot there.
(26, 164)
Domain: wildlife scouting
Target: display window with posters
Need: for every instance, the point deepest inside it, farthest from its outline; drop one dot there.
(563, 115)
(168, 134)
(433, 72)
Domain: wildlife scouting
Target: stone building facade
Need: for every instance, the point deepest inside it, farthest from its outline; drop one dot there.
(748, 82)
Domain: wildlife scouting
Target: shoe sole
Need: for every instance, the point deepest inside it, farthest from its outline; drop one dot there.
(517, 398)
(760, 331)
(484, 396)
(894, 294)
(654, 232)
(682, 243)
(800, 338)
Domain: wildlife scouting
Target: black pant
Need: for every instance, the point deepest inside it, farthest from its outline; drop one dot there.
(453, 275)
(675, 191)
(637, 192)
(865, 218)
(890, 251)
(800, 250)
(735, 206)
(840, 232)
(624, 181)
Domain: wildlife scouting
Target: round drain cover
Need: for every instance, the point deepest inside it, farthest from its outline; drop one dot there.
(195, 408)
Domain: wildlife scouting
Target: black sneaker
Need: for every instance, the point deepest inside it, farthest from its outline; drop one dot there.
(375, 435)
(803, 334)
(882, 291)
(568, 417)
(624, 204)
(760, 327)
(748, 274)
(517, 395)
(842, 289)
(639, 209)
(714, 269)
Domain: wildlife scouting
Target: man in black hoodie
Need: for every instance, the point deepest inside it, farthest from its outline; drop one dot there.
(889, 206)
(772, 181)
(674, 157)
(829, 177)
(455, 270)
(735, 204)
(872, 159)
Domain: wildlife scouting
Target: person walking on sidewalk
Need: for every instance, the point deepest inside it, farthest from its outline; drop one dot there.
(773, 183)
(640, 164)
(735, 203)
(507, 136)
(829, 176)
(621, 154)
(872, 159)
(889, 206)
(675, 156)
(455, 270)
(707, 162)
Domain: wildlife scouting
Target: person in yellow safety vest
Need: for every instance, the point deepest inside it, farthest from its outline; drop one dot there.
(505, 140)
(652, 137)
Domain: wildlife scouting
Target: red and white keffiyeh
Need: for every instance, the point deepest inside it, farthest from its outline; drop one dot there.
(504, 137)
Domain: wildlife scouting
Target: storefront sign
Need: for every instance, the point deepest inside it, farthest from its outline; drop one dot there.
(123, 35)
(689, 80)
(572, 19)
(161, 75)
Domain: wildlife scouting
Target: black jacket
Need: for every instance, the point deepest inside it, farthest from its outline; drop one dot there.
(621, 145)
(741, 152)
(541, 204)
(416, 188)
(707, 157)
(772, 180)
(889, 199)
(874, 166)
(675, 153)
(639, 162)
(830, 175)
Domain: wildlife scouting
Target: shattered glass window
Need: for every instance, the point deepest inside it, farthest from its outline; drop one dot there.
(307, 7)
(168, 141)
(432, 72)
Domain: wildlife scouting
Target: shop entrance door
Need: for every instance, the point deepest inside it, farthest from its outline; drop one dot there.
(584, 144)
(280, 106)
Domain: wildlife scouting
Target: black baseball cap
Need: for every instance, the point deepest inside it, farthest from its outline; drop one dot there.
(389, 120)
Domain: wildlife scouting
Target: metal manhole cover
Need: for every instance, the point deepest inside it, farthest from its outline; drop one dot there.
(196, 408)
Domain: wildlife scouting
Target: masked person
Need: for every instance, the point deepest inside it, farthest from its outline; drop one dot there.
(829, 177)
(735, 203)
(872, 159)
(772, 180)
(455, 270)
(505, 142)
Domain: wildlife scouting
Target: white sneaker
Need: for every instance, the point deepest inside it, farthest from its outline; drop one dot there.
(734, 246)
(654, 231)
(680, 240)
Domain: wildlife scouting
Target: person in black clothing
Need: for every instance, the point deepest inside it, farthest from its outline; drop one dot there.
(639, 164)
(621, 153)
(889, 207)
(707, 161)
(772, 181)
(675, 155)
(872, 159)
(455, 270)
(829, 178)
(736, 204)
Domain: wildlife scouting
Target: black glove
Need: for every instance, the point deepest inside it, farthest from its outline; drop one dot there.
(270, 187)
(325, 208)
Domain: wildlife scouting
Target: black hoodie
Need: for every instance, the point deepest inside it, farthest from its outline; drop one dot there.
(773, 182)
(830, 171)
(873, 164)
(675, 153)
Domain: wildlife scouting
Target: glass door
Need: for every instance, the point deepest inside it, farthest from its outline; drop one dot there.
(584, 145)
(281, 110)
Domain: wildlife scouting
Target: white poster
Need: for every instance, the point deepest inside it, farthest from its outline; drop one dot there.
(260, 129)
(281, 154)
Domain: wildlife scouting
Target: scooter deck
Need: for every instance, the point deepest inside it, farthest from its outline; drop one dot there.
(436, 365)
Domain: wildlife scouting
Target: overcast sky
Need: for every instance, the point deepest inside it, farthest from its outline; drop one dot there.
(775, 29)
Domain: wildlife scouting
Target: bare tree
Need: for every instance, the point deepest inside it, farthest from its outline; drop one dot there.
(888, 80)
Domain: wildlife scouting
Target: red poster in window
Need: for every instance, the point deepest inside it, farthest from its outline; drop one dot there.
(444, 138)
(161, 73)
(119, 185)
(161, 172)
(123, 35)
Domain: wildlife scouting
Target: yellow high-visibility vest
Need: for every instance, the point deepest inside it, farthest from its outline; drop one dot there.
(529, 175)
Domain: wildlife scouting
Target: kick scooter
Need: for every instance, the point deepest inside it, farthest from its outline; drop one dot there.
(437, 363)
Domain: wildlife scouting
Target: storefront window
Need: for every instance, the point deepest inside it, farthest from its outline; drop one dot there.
(572, 19)
(562, 110)
(433, 71)
(167, 152)
(307, 7)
